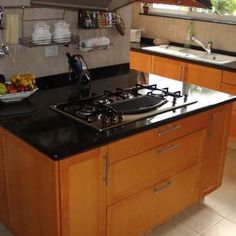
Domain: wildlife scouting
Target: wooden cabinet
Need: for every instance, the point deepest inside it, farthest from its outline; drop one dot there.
(204, 76)
(83, 194)
(122, 188)
(213, 160)
(166, 67)
(139, 171)
(192, 73)
(47, 197)
(229, 86)
(134, 215)
(140, 61)
(176, 69)
(4, 208)
(33, 190)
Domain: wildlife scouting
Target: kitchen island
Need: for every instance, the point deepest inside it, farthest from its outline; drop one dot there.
(60, 177)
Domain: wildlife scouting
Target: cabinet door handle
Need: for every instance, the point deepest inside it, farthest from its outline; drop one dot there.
(170, 148)
(105, 178)
(173, 128)
(181, 73)
(213, 121)
(164, 187)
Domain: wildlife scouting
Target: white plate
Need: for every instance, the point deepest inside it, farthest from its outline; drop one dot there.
(16, 97)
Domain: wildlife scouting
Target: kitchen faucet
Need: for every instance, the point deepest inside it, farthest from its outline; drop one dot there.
(208, 49)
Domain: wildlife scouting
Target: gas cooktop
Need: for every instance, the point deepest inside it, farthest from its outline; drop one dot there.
(116, 108)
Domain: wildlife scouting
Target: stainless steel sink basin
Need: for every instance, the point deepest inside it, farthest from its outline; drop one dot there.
(197, 55)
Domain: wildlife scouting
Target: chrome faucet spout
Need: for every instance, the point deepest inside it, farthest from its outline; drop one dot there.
(208, 49)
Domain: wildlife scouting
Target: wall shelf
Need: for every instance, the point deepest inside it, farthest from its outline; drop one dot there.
(28, 42)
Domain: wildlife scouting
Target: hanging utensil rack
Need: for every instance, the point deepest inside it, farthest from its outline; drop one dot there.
(28, 41)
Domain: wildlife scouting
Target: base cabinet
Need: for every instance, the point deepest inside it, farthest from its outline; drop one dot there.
(83, 194)
(107, 193)
(33, 190)
(4, 208)
(137, 213)
(213, 160)
(229, 86)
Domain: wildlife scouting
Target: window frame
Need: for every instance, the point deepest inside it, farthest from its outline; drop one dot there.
(193, 15)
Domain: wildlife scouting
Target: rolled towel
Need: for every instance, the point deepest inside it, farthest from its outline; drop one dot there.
(90, 44)
(160, 41)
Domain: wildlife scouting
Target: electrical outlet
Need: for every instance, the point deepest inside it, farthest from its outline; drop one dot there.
(51, 51)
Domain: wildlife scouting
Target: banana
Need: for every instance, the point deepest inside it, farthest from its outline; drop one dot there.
(24, 79)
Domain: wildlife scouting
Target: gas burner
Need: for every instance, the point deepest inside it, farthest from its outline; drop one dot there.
(121, 106)
(86, 110)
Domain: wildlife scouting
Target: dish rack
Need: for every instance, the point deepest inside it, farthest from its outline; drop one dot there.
(28, 41)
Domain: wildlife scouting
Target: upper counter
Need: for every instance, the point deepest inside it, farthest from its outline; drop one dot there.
(138, 48)
(59, 137)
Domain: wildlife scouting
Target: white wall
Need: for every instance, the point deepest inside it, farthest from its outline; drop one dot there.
(222, 35)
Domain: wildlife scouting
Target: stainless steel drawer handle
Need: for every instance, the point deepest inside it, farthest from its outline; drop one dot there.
(173, 128)
(164, 187)
(170, 148)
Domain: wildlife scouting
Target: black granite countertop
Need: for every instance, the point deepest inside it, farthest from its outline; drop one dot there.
(60, 137)
(138, 47)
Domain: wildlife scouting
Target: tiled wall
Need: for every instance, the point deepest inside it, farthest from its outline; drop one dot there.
(32, 60)
(223, 36)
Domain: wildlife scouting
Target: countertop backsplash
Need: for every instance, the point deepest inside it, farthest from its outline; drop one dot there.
(33, 60)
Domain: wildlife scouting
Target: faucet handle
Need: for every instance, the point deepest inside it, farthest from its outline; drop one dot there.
(210, 44)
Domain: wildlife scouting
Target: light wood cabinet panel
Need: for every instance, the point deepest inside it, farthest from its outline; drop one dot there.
(204, 76)
(4, 208)
(213, 160)
(229, 77)
(33, 190)
(229, 86)
(150, 139)
(140, 171)
(140, 61)
(83, 194)
(147, 208)
(167, 68)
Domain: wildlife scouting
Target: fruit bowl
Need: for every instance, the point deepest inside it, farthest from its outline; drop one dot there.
(16, 97)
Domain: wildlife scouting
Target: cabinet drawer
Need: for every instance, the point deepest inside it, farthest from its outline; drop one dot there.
(167, 68)
(140, 61)
(229, 77)
(138, 143)
(145, 209)
(138, 172)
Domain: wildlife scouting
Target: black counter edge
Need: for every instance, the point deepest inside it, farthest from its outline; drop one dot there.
(57, 157)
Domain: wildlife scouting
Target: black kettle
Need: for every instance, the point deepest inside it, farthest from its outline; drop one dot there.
(78, 65)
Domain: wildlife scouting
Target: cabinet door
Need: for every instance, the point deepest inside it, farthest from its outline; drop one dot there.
(213, 160)
(140, 61)
(145, 209)
(204, 76)
(166, 67)
(229, 86)
(83, 194)
(3, 187)
(33, 190)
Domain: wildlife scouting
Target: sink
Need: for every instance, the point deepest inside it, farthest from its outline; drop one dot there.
(197, 55)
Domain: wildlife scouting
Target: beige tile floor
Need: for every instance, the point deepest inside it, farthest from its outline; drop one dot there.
(213, 216)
